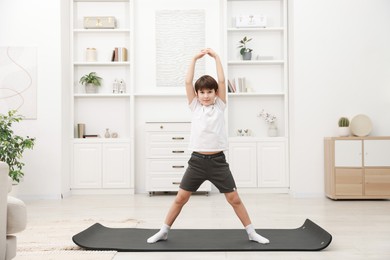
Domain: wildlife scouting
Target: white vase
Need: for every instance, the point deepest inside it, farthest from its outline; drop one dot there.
(272, 130)
(344, 131)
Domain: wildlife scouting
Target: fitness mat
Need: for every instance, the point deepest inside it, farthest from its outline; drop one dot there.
(308, 237)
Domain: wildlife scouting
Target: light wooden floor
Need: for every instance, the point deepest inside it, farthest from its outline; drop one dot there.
(360, 229)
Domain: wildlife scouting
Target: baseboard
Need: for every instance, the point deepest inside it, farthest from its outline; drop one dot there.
(102, 191)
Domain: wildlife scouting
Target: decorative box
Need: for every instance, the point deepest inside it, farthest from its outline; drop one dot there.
(99, 22)
(251, 21)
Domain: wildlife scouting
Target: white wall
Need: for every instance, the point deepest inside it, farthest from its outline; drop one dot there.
(29, 23)
(340, 67)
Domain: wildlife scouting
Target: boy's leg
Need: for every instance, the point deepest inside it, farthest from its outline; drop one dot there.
(181, 199)
(235, 201)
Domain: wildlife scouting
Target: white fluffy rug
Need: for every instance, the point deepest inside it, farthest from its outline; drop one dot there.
(53, 240)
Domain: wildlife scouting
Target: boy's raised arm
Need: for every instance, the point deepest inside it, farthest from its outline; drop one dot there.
(220, 74)
(190, 76)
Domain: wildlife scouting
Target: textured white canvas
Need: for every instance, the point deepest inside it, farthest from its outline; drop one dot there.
(180, 34)
(18, 80)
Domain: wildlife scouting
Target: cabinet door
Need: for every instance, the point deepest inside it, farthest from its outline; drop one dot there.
(87, 163)
(376, 153)
(377, 182)
(272, 165)
(116, 165)
(349, 182)
(348, 153)
(242, 160)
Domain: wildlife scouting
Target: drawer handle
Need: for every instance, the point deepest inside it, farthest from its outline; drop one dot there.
(177, 138)
(177, 166)
(177, 151)
(176, 182)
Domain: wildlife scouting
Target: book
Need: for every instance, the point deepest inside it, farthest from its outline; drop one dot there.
(120, 54)
(90, 136)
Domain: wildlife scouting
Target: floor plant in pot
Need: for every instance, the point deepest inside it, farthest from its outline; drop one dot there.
(91, 81)
(245, 52)
(12, 146)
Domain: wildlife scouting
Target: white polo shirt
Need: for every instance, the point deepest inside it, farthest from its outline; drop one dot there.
(208, 132)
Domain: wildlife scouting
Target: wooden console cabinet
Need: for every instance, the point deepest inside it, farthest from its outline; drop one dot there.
(357, 167)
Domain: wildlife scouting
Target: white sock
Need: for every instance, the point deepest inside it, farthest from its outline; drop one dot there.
(253, 236)
(160, 235)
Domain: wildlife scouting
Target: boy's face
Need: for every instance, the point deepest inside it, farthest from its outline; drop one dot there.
(206, 96)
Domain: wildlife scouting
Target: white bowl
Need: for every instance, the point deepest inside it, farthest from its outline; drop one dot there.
(361, 125)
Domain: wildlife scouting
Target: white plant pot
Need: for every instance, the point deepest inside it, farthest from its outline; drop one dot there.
(90, 88)
(344, 131)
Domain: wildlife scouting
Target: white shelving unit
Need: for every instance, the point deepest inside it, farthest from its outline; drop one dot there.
(266, 79)
(112, 157)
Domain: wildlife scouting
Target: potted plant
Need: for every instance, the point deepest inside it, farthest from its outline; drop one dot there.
(343, 126)
(12, 146)
(244, 50)
(91, 81)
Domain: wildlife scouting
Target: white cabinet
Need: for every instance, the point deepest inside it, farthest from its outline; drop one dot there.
(243, 163)
(102, 162)
(272, 164)
(87, 166)
(260, 83)
(377, 153)
(116, 165)
(265, 76)
(357, 167)
(98, 165)
(167, 155)
(348, 153)
(258, 163)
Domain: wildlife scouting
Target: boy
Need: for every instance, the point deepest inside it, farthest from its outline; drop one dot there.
(208, 140)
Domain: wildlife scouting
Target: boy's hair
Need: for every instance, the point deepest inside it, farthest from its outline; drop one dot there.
(206, 82)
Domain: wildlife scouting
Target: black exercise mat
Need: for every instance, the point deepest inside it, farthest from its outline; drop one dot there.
(308, 237)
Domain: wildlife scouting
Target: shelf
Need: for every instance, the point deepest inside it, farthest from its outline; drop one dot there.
(104, 95)
(100, 140)
(249, 29)
(256, 62)
(108, 63)
(108, 1)
(160, 95)
(251, 139)
(101, 30)
(254, 94)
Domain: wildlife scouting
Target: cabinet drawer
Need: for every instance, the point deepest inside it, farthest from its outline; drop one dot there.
(170, 137)
(168, 151)
(164, 183)
(349, 182)
(176, 166)
(169, 183)
(168, 126)
(377, 182)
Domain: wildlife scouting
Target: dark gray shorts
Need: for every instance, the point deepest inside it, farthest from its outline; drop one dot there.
(213, 168)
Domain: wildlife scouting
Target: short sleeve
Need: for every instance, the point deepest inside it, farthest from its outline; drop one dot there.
(193, 104)
(219, 103)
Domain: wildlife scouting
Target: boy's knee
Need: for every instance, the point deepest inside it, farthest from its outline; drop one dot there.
(233, 199)
(182, 199)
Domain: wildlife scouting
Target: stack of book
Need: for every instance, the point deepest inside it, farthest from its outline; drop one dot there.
(119, 54)
(237, 85)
